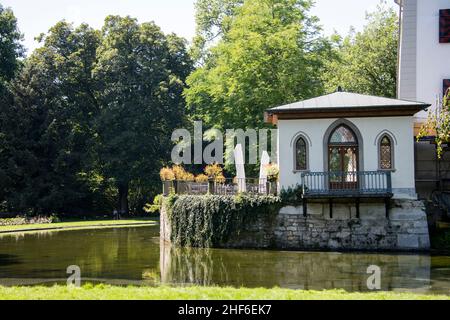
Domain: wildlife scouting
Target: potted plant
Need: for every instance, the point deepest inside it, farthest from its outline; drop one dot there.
(167, 178)
(215, 175)
(273, 173)
(182, 179)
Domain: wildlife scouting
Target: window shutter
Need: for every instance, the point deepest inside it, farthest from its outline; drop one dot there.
(446, 85)
(444, 26)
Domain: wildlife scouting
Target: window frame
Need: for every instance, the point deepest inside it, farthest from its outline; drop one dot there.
(444, 24)
(392, 145)
(306, 142)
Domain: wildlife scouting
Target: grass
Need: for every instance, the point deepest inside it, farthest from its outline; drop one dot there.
(75, 225)
(106, 292)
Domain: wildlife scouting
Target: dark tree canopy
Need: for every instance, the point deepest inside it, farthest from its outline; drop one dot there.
(90, 118)
(10, 47)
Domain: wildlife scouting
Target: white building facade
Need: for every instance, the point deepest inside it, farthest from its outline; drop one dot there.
(362, 137)
(424, 55)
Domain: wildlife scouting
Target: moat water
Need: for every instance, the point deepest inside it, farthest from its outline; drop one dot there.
(135, 256)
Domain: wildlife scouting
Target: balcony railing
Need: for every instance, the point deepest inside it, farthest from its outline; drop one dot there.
(226, 187)
(347, 184)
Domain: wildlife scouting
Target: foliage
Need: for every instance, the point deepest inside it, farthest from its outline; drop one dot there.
(207, 221)
(10, 47)
(272, 172)
(220, 179)
(179, 172)
(214, 171)
(366, 62)
(19, 221)
(201, 178)
(90, 117)
(270, 53)
(441, 240)
(292, 195)
(438, 125)
(156, 206)
(57, 225)
(167, 174)
(47, 133)
(213, 18)
(141, 75)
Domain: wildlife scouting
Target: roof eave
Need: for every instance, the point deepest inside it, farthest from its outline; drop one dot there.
(419, 107)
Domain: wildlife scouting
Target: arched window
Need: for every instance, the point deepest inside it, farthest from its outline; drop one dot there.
(343, 150)
(386, 153)
(301, 155)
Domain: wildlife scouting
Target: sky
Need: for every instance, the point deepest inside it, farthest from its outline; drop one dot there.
(36, 17)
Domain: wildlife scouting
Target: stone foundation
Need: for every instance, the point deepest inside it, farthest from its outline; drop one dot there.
(405, 230)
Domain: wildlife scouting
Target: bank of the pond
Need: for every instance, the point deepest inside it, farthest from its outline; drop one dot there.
(76, 225)
(105, 292)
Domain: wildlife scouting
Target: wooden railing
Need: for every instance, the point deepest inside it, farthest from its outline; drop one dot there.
(364, 183)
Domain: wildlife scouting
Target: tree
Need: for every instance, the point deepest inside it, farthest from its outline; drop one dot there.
(142, 74)
(367, 61)
(438, 124)
(47, 125)
(11, 49)
(271, 54)
(213, 19)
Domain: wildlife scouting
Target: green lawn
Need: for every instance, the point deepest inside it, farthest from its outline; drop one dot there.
(105, 292)
(76, 225)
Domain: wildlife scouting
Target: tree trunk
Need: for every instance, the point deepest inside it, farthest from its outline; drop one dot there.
(123, 199)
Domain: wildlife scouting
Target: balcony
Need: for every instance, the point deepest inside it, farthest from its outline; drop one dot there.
(347, 185)
(364, 184)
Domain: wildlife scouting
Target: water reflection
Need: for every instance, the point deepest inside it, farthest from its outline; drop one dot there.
(296, 270)
(136, 256)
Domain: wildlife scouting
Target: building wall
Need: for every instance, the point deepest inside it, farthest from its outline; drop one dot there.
(406, 229)
(401, 128)
(408, 52)
(424, 62)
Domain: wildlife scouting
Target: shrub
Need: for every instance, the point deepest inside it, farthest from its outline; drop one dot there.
(156, 206)
(167, 174)
(189, 177)
(179, 172)
(272, 172)
(209, 221)
(220, 179)
(201, 178)
(292, 195)
(19, 221)
(213, 171)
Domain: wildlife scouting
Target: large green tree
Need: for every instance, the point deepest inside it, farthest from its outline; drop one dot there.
(142, 74)
(11, 52)
(91, 118)
(11, 49)
(213, 19)
(271, 53)
(48, 124)
(367, 61)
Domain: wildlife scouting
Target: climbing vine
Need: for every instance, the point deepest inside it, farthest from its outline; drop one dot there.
(210, 220)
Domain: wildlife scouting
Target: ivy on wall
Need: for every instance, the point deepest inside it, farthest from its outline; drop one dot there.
(210, 220)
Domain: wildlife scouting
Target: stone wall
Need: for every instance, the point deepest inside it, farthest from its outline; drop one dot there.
(405, 230)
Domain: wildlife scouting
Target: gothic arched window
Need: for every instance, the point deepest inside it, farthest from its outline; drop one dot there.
(386, 154)
(301, 155)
